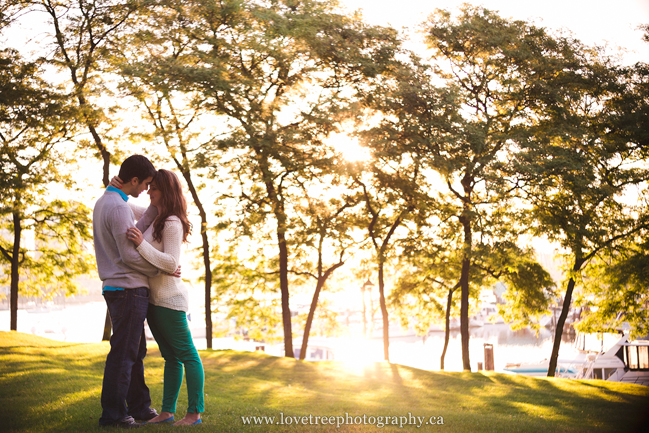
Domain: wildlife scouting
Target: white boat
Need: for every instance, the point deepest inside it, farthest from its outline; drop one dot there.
(625, 361)
(489, 314)
(540, 369)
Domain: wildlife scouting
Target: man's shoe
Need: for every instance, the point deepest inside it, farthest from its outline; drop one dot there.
(145, 416)
(126, 422)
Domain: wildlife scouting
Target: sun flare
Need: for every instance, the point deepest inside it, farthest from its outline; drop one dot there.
(349, 147)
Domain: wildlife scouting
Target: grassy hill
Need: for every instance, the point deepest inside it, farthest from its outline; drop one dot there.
(51, 386)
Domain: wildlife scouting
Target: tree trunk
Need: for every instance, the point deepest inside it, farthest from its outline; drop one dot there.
(447, 328)
(464, 291)
(283, 284)
(309, 319)
(206, 253)
(105, 154)
(552, 367)
(384, 313)
(15, 276)
(208, 285)
(107, 327)
(275, 197)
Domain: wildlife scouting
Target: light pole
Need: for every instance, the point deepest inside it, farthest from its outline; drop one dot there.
(366, 286)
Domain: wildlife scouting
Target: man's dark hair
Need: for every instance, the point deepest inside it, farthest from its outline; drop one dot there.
(136, 166)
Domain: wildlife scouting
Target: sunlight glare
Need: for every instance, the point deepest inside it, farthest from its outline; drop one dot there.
(349, 147)
(359, 353)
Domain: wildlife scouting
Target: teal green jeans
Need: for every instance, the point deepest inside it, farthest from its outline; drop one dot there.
(169, 327)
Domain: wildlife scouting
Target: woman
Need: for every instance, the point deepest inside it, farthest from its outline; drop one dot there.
(168, 302)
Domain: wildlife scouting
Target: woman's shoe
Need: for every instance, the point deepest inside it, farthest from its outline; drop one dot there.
(198, 421)
(171, 418)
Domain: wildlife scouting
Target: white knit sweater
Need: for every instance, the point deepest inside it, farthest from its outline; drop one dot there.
(166, 291)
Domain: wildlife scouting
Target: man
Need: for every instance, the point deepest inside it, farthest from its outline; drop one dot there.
(124, 274)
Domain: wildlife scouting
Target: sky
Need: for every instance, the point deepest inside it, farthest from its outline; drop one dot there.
(594, 22)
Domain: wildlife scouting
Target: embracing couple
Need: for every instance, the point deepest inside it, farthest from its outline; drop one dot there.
(139, 268)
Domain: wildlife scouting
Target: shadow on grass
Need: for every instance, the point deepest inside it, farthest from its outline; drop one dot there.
(381, 388)
(48, 387)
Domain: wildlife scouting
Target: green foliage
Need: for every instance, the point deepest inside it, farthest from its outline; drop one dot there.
(244, 293)
(579, 167)
(36, 123)
(498, 73)
(615, 293)
(61, 249)
(529, 286)
(325, 321)
(278, 73)
(528, 294)
(627, 120)
(419, 297)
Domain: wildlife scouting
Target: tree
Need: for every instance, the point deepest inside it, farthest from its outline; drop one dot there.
(578, 169)
(390, 193)
(175, 116)
(424, 292)
(497, 71)
(433, 271)
(243, 293)
(615, 282)
(35, 125)
(278, 71)
(325, 230)
(80, 31)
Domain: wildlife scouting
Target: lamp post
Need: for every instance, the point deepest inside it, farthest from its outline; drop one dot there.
(366, 286)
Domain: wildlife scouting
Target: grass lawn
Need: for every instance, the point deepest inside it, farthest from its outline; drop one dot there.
(51, 386)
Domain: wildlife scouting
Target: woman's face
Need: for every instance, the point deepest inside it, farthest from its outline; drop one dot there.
(154, 194)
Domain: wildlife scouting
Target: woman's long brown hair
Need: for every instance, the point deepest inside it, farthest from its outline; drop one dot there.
(172, 202)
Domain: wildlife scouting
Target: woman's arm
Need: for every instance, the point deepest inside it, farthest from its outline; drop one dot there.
(143, 215)
(138, 211)
(146, 218)
(168, 259)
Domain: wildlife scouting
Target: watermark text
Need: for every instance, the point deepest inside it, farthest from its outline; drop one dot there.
(375, 420)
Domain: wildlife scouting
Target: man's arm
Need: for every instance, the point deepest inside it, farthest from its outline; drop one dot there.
(120, 222)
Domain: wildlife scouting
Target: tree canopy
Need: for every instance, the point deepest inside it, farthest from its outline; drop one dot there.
(498, 132)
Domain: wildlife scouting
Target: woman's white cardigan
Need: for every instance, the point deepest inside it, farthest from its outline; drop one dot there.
(166, 291)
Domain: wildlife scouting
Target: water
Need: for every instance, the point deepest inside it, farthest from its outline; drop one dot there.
(85, 323)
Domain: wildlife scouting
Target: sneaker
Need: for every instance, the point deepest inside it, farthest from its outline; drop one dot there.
(145, 416)
(126, 422)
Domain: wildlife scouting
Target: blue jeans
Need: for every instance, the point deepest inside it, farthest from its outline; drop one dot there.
(123, 391)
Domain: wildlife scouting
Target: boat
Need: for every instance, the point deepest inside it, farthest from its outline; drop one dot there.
(624, 361)
(489, 314)
(540, 369)
(454, 324)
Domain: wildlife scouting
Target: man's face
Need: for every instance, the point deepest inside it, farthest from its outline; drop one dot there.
(141, 186)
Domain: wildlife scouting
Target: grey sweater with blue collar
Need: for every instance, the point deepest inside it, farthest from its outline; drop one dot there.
(118, 262)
